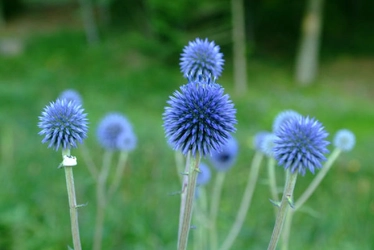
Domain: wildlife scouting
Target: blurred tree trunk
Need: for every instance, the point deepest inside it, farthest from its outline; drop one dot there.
(2, 16)
(307, 57)
(104, 12)
(239, 54)
(89, 21)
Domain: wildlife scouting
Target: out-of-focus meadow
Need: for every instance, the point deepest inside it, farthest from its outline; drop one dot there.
(133, 69)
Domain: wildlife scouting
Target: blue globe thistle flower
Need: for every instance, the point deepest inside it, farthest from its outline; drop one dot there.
(200, 118)
(300, 144)
(267, 145)
(71, 95)
(115, 133)
(224, 157)
(258, 139)
(63, 124)
(204, 175)
(283, 117)
(201, 56)
(344, 140)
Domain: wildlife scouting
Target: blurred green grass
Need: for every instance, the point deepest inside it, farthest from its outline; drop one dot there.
(128, 73)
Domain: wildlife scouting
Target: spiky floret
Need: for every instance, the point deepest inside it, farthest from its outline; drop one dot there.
(115, 133)
(63, 124)
(199, 118)
(201, 57)
(300, 144)
(344, 140)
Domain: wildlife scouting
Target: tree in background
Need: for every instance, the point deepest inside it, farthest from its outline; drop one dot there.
(89, 22)
(239, 54)
(307, 57)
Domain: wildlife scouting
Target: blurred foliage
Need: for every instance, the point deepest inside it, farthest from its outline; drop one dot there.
(134, 70)
(124, 73)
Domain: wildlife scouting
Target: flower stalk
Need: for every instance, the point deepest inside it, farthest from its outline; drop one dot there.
(214, 205)
(72, 201)
(246, 202)
(283, 208)
(190, 196)
(101, 199)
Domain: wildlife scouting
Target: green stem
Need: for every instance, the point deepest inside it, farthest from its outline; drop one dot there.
(88, 161)
(200, 220)
(214, 205)
(119, 173)
(101, 199)
(272, 180)
(285, 203)
(179, 161)
(246, 202)
(317, 180)
(72, 202)
(190, 196)
(287, 229)
(183, 194)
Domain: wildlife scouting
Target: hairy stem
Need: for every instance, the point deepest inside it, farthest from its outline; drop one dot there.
(317, 180)
(285, 203)
(190, 196)
(101, 199)
(119, 173)
(72, 203)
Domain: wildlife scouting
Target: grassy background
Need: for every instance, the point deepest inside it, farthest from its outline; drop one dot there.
(126, 73)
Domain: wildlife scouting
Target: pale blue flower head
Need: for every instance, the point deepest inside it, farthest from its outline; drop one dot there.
(115, 133)
(258, 139)
(204, 175)
(300, 145)
(344, 140)
(224, 157)
(71, 95)
(267, 144)
(201, 56)
(283, 117)
(199, 118)
(63, 124)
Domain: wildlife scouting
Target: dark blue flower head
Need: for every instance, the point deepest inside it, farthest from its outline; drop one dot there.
(224, 158)
(63, 124)
(204, 175)
(300, 144)
(200, 118)
(71, 95)
(115, 133)
(201, 57)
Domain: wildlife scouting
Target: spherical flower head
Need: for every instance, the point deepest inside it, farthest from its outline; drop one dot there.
(71, 95)
(300, 145)
(63, 124)
(199, 118)
(283, 117)
(224, 157)
(115, 133)
(267, 145)
(204, 175)
(201, 56)
(258, 138)
(344, 140)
